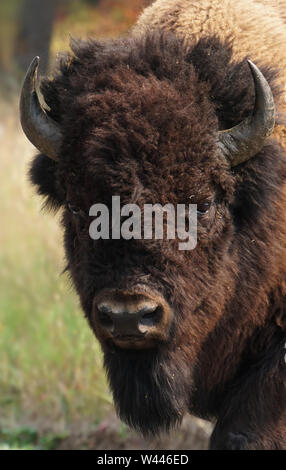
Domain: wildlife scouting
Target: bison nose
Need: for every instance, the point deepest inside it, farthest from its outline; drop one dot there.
(132, 320)
(128, 323)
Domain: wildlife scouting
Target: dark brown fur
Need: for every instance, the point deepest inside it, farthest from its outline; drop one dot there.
(140, 119)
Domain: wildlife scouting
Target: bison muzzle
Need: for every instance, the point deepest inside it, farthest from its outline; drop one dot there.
(133, 319)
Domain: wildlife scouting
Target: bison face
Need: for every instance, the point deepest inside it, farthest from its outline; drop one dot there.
(142, 126)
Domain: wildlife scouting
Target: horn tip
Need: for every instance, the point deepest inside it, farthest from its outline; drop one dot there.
(33, 65)
(35, 62)
(253, 67)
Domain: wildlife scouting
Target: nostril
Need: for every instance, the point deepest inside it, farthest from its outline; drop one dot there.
(105, 316)
(104, 319)
(151, 316)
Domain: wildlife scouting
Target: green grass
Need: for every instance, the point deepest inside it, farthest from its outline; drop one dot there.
(51, 371)
(25, 438)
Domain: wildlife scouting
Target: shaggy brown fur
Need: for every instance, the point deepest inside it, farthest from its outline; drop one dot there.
(140, 118)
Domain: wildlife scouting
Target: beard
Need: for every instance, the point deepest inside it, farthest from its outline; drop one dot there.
(150, 388)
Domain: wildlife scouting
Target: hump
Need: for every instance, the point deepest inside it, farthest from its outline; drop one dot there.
(255, 28)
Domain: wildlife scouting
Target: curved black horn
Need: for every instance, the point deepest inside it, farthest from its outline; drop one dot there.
(39, 128)
(242, 142)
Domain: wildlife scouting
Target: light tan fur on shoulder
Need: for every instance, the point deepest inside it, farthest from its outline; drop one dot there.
(278, 5)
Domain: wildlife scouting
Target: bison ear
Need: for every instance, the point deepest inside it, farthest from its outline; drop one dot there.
(43, 175)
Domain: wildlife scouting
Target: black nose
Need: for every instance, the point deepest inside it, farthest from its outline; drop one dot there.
(132, 319)
(122, 323)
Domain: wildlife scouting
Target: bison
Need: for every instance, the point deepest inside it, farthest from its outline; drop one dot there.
(169, 113)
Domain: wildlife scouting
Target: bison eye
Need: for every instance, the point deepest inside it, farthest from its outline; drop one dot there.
(203, 208)
(73, 209)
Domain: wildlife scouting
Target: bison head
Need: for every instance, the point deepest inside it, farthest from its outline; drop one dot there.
(142, 119)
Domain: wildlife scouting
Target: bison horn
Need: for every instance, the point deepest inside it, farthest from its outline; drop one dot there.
(39, 128)
(242, 142)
